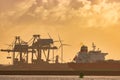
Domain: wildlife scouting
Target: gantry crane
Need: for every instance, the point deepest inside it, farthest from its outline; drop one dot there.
(38, 47)
(20, 51)
(41, 46)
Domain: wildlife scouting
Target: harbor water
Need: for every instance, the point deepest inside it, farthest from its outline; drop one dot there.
(37, 77)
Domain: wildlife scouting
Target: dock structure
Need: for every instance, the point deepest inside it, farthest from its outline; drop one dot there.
(37, 49)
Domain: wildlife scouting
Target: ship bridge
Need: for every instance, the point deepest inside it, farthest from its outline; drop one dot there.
(85, 56)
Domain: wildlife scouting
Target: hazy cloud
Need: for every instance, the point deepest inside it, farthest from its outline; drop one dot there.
(89, 13)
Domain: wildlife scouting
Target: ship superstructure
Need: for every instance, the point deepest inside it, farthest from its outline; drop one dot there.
(85, 56)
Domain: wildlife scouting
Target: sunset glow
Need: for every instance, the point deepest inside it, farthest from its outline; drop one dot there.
(76, 21)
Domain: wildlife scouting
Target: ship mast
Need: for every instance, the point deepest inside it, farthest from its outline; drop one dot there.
(93, 46)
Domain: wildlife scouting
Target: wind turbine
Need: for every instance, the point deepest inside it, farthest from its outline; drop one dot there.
(61, 46)
(53, 49)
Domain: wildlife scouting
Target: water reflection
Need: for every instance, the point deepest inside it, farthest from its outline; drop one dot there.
(30, 77)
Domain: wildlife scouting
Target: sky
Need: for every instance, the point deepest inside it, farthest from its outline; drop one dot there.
(76, 21)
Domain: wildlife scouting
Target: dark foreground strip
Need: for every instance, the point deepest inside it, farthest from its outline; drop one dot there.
(88, 73)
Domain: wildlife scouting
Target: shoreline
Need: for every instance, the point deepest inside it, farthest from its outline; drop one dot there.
(63, 73)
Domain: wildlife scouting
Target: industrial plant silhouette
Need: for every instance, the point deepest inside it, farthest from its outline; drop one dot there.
(89, 62)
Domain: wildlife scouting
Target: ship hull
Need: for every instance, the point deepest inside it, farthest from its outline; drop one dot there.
(95, 66)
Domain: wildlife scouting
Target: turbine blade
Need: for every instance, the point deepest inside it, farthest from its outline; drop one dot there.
(49, 36)
(66, 45)
(60, 46)
(59, 39)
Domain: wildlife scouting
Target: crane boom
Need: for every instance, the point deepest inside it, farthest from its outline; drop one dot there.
(8, 50)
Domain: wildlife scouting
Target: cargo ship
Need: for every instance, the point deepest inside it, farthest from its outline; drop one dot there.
(88, 62)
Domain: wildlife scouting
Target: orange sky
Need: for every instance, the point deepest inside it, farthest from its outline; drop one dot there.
(77, 21)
